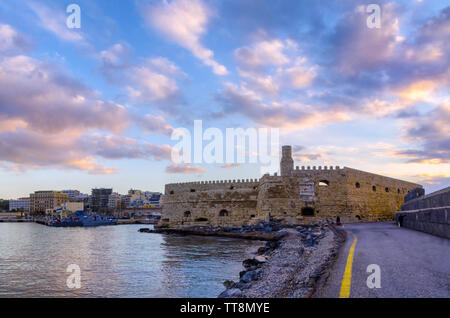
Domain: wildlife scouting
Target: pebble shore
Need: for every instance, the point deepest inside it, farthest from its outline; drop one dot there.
(289, 267)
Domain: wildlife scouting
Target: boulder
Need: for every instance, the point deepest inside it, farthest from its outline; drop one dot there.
(261, 259)
(230, 293)
(251, 276)
(229, 284)
(250, 263)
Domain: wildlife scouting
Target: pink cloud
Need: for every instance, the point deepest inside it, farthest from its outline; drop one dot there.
(185, 22)
(183, 169)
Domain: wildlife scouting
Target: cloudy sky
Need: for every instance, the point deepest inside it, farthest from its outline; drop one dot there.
(96, 106)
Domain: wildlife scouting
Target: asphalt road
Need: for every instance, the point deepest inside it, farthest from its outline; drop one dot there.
(412, 264)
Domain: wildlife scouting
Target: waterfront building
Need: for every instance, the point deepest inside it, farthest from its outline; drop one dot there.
(135, 195)
(98, 201)
(41, 201)
(72, 194)
(114, 201)
(22, 204)
(125, 200)
(72, 206)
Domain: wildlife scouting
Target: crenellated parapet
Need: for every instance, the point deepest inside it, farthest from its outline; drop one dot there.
(191, 187)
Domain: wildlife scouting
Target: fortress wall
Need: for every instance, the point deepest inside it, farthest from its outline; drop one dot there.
(436, 199)
(207, 202)
(429, 213)
(377, 205)
(280, 197)
(301, 195)
(177, 188)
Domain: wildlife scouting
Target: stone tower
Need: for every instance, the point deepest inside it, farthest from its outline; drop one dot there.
(287, 163)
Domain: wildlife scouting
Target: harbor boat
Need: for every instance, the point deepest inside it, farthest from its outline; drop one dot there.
(79, 219)
(97, 220)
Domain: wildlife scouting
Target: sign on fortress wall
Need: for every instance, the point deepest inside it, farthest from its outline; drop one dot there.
(307, 190)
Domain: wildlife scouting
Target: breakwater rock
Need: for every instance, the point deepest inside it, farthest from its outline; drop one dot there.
(264, 231)
(288, 267)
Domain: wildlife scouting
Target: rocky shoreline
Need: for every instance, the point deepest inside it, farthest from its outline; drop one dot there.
(288, 267)
(263, 231)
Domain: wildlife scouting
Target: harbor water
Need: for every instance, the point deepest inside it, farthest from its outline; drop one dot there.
(115, 261)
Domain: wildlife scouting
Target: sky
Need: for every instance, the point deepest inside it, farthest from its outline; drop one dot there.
(96, 106)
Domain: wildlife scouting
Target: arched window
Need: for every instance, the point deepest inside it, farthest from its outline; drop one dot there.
(374, 188)
(324, 183)
(223, 213)
(171, 192)
(307, 211)
(358, 217)
(386, 189)
(398, 191)
(357, 185)
(187, 214)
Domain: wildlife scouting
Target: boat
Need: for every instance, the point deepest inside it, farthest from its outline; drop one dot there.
(80, 219)
(97, 220)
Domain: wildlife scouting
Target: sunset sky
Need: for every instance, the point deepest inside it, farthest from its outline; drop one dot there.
(96, 106)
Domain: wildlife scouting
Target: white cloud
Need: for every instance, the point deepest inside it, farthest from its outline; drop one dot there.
(262, 53)
(184, 22)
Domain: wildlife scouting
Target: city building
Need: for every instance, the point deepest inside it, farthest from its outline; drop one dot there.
(135, 195)
(98, 201)
(41, 201)
(72, 206)
(72, 194)
(114, 201)
(22, 204)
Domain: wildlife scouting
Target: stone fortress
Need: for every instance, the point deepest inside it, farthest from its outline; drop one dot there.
(298, 196)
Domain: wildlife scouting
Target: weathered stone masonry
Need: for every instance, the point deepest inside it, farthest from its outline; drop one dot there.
(427, 213)
(300, 195)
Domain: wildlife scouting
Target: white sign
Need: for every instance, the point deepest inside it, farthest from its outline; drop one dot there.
(307, 190)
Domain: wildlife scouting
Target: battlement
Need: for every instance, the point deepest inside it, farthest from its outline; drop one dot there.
(297, 168)
(236, 181)
(175, 188)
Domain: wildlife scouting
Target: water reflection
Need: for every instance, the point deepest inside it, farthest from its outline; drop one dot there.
(115, 261)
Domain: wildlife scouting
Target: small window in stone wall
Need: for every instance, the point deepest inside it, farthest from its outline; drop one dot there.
(201, 220)
(232, 188)
(187, 214)
(358, 217)
(386, 189)
(324, 183)
(252, 216)
(374, 188)
(171, 192)
(223, 213)
(307, 211)
(398, 191)
(192, 190)
(357, 185)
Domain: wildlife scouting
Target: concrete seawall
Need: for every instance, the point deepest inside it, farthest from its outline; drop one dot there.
(434, 221)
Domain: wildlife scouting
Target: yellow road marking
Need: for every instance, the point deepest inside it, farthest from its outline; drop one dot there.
(347, 279)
